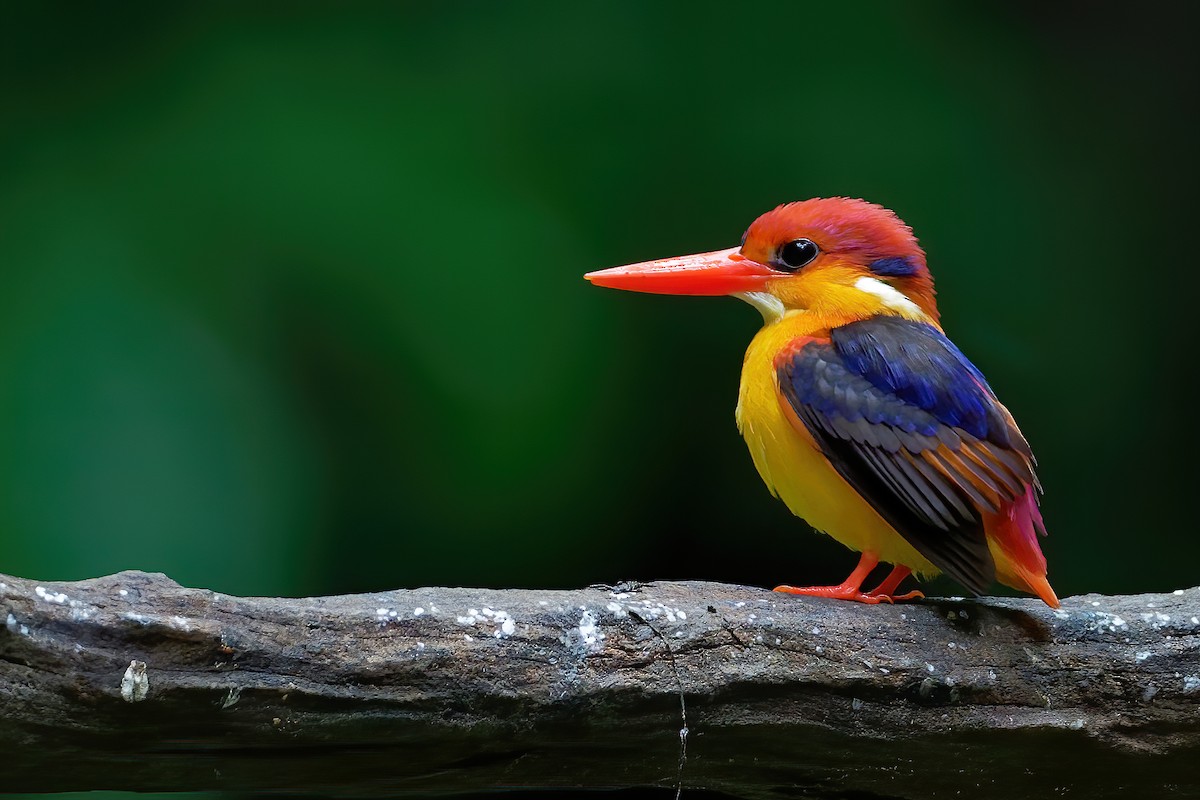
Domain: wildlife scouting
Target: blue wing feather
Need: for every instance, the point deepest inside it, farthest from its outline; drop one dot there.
(917, 363)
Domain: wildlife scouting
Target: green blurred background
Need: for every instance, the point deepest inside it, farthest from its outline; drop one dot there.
(290, 297)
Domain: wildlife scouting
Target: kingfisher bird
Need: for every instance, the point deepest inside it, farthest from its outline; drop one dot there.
(860, 414)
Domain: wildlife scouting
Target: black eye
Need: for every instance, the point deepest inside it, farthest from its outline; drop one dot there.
(797, 253)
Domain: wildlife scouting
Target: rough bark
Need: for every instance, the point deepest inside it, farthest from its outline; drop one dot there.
(454, 690)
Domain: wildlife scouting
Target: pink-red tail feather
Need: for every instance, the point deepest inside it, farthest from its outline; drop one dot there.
(1013, 537)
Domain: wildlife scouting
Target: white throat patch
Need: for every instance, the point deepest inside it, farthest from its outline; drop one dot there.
(770, 306)
(892, 297)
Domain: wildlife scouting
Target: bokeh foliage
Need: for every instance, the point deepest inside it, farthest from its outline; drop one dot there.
(290, 298)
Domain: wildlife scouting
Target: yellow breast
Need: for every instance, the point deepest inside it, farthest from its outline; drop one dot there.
(792, 466)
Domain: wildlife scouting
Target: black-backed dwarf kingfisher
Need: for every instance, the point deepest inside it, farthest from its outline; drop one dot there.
(858, 411)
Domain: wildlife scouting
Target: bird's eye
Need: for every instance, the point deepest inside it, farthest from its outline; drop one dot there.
(797, 253)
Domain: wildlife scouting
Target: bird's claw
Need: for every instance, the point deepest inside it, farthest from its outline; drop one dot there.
(849, 593)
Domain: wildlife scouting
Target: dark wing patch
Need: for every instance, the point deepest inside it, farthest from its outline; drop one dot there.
(913, 426)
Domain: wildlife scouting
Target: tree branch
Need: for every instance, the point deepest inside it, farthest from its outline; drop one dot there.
(453, 690)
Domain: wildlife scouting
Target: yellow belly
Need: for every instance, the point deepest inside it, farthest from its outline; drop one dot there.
(795, 470)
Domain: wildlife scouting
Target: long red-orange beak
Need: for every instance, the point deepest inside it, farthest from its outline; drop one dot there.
(716, 273)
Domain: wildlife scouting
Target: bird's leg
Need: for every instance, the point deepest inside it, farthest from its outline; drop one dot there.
(886, 591)
(851, 588)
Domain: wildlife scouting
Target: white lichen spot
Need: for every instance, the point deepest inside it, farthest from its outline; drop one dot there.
(820, 650)
(856, 704)
(930, 667)
(124, 593)
(1191, 684)
(1142, 655)
(1076, 725)
(418, 611)
(816, 631)
(468, 637)
(468, 619)
(963, 615)
(1156, 619)
(507, 626)
(1178, 592)
(680, 614)
(617, 609)
(1149, 692)
(15, 627)
(1060, 614)
(1101, 621)
(542, 603)
(50, 597)
(951, 645)
(589, 632)
(420, 645)
(1196, 620)
(1095, 604)
(231, 698)
(904, 617)
(135, 683)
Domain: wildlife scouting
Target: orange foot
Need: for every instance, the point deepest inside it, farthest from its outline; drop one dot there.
(851, 588)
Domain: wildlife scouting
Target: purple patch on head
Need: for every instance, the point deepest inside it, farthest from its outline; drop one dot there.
(894, 267)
